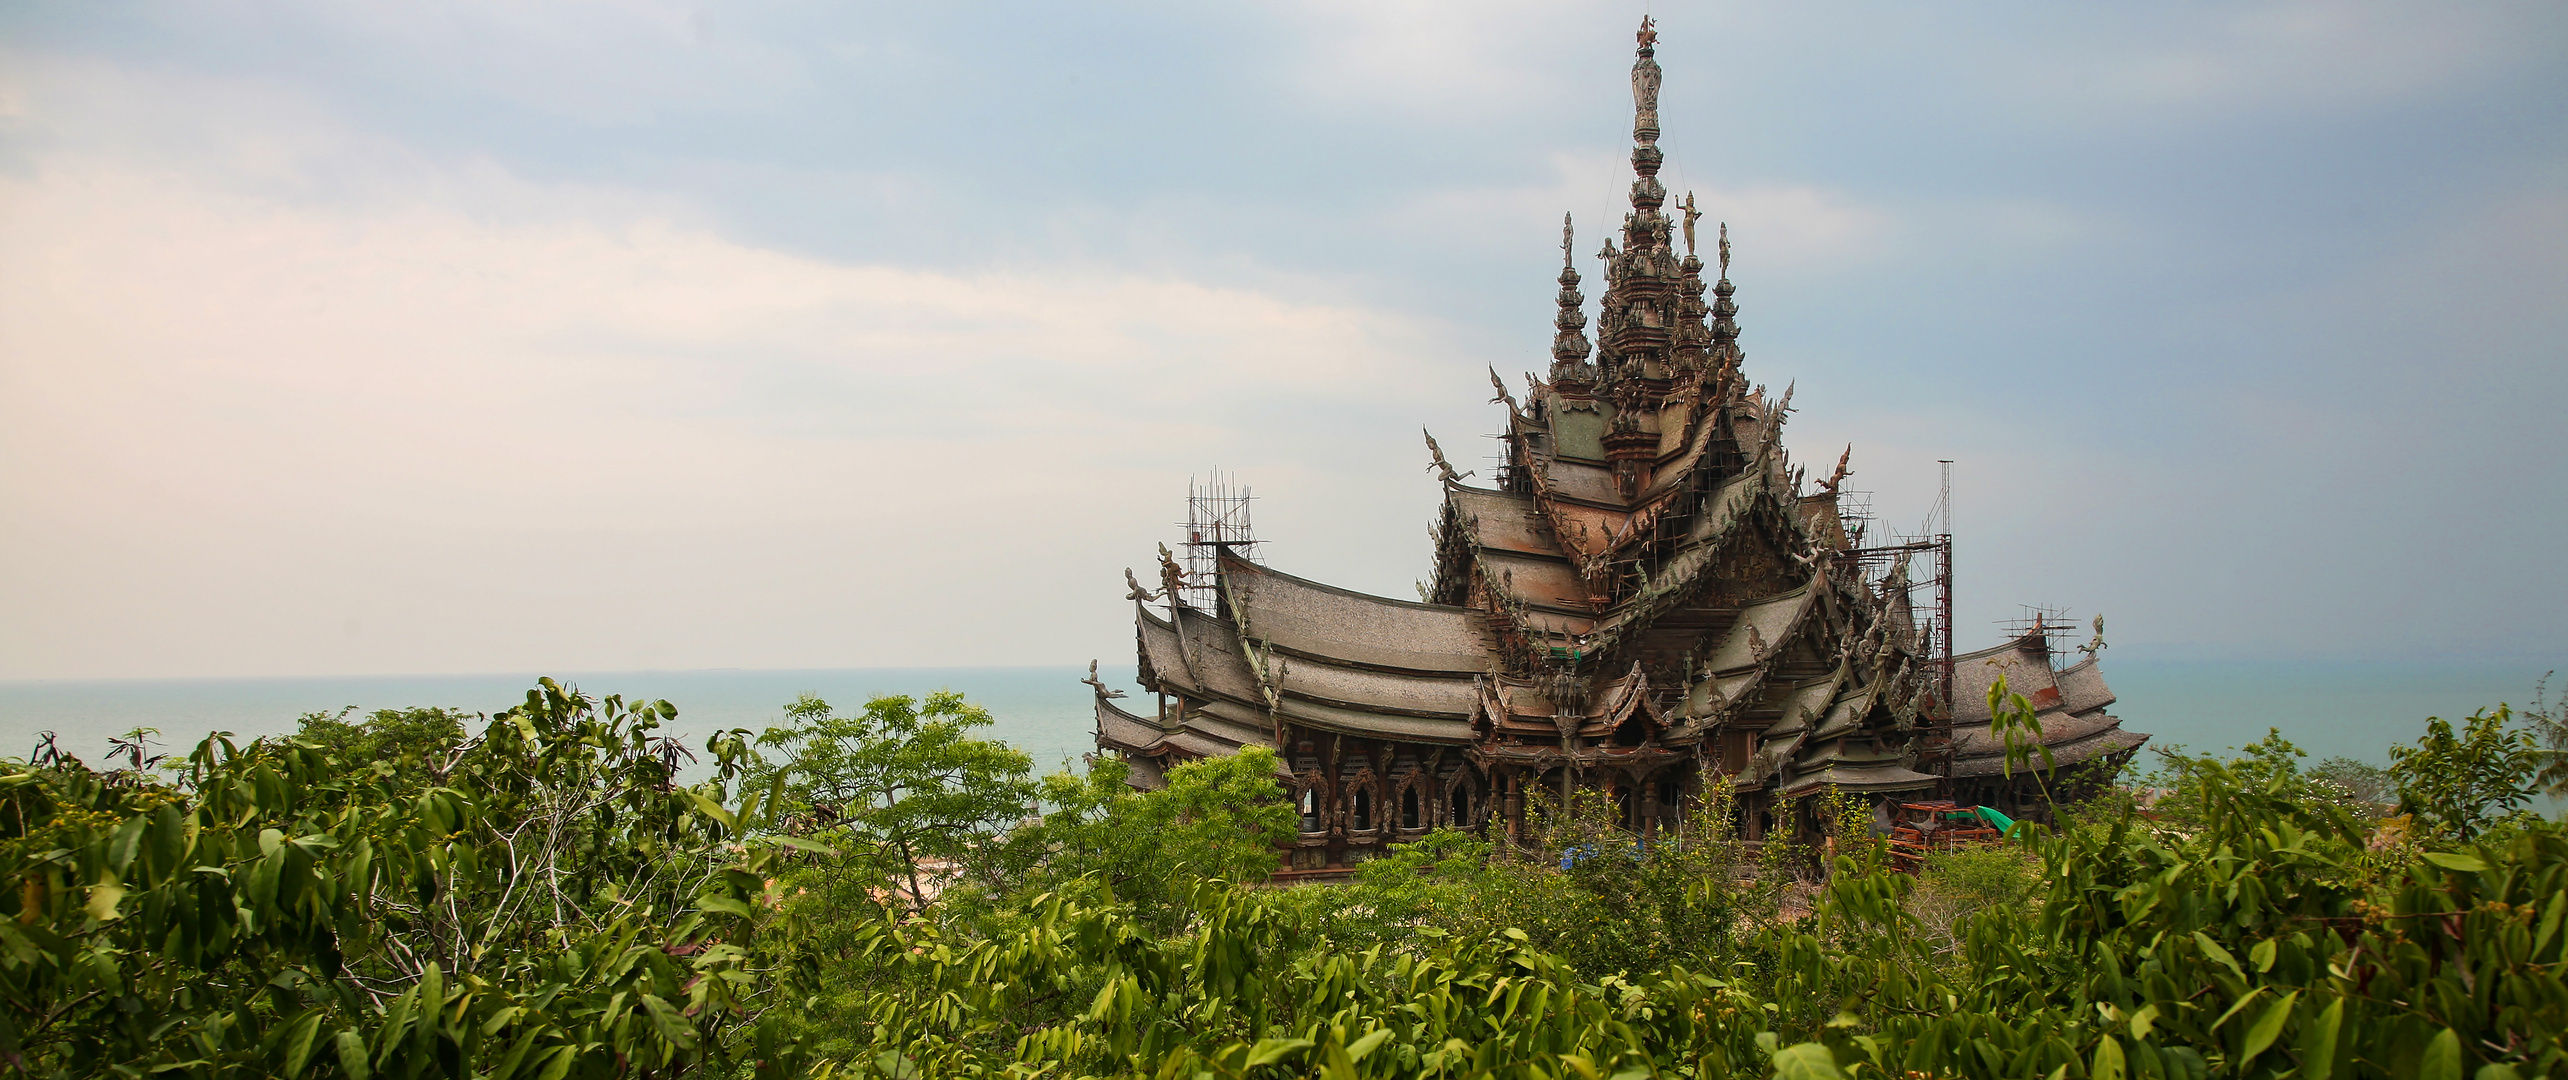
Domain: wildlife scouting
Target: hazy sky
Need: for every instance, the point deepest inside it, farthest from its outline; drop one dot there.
(352, 338)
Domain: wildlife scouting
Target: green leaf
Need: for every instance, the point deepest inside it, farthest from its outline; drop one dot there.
(2453, 860)
(1270, 1051)
(2108, 1059)
(1806, 1061)
(2183, 1063)
(1335, 1064)
(103, 898)
(2442, 1060)
(712, 809)
(2236, 1007)
(1356, 1050)
(351, 1048)
(724, 904)
(558, 1065)
(799, 844)
(2318, 1042)
(2268, 1027)
(671, 1024)
(129, 838)
(300, 1033)
(2213, 950)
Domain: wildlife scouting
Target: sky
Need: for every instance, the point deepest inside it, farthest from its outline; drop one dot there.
(489, 336)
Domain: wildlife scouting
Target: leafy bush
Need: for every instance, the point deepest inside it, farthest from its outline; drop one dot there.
(545, 898)
(2234, 947)
(539, 900)
(2462, 784)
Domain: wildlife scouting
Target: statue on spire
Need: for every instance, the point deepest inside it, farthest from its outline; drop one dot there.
(1440, 465)
(1645, 80)
(1690, 215)
(1725, 250)
(1569, 346)
(1839, 476)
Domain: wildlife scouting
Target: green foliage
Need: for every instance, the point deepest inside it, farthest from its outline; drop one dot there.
(548, 901)
(403, 738)
(1217, 818)
(1578, 887)
(2462, 784)
(1983, 877)
(389, 896)
(2236, 947)
(2188, 798)
(903, 790)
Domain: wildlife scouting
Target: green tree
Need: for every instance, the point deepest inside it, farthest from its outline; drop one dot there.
(900, 784)
(1219, 817)
(400, 738)
(2549, 723)
(2461, 784)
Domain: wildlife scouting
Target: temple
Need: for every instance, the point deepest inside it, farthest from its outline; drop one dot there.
(1648, 599)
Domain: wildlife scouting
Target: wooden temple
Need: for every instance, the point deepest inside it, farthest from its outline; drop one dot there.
(1648, 599)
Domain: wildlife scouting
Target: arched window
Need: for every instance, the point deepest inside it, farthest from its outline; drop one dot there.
(1310, 810)
(1409, 808)
(1461, 806)
(1363, 809)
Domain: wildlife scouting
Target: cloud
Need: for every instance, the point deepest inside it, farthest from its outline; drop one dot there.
(1426, 59)
(269, 372)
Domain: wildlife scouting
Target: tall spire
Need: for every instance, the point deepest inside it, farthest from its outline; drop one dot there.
(1569, 347)
(1647, 195)
(1692, 336)
(1725, 333)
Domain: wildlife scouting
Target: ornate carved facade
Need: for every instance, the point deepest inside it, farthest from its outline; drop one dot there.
(1649, 599)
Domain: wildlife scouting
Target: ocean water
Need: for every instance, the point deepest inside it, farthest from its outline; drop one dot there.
(1044, 711)
(2328, 708)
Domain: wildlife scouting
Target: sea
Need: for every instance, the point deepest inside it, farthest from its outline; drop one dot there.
(2328, 708)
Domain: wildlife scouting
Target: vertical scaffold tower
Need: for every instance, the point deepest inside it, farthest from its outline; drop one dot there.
(1217, 519)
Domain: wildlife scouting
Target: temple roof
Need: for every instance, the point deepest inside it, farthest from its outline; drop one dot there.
(2068, 702)
(1762, 627)
(1326, 622)
(1202, 657)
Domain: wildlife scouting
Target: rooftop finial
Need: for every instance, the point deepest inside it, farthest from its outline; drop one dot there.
(1646, 156)
(1691, 214)
(1569, 346)
(1725, 333)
